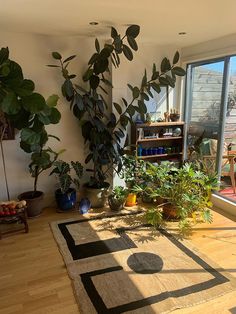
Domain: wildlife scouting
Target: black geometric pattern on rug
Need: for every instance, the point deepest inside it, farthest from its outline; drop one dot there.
(96, 299)
(95, 248)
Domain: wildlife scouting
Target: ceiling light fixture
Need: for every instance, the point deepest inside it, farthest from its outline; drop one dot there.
(93, 23)
(182, 33)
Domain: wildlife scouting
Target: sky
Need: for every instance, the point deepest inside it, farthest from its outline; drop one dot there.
(218, 66)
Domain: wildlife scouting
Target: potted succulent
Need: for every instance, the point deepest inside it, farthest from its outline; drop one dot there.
(29, 112)
(117, 198)
(66, 195)
(103, 130)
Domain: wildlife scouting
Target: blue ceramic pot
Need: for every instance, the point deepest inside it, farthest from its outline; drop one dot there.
(65, 201)
(84, 205)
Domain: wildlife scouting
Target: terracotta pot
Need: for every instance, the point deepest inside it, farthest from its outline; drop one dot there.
(170, 212)
(33, 202)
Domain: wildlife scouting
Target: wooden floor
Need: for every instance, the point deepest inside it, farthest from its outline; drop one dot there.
(33, 277)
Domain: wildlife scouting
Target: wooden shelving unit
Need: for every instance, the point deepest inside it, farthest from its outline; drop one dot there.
(172, 145)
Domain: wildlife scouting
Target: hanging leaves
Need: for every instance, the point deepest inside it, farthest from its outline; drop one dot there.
(127, 52)
(133, 31)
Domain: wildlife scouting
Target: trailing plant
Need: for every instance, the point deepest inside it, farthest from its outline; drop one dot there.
(62, 170)
(101, 129)
(29, 112)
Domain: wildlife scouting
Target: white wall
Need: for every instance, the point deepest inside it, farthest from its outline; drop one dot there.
(33, 52)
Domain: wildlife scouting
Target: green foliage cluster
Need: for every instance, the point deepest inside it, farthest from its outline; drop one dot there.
(29, 112)
(102, 130)
(63, 169)
(120, 193)
(187, 188)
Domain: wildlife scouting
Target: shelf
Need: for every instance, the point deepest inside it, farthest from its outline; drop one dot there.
(160, 155)
(143, 140)
(157, 124)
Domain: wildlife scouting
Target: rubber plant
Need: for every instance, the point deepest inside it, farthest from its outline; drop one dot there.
(102, 129)
(30, 113)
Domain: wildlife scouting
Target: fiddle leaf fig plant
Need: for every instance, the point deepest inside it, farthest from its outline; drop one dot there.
(103, 130)
(29, 112)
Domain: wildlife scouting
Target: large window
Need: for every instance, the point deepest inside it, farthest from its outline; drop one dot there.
(210, 115)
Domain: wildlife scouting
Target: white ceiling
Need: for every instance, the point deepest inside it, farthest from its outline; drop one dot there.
(160, 20)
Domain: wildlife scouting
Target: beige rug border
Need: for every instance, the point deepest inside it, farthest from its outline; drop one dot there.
(62, 247)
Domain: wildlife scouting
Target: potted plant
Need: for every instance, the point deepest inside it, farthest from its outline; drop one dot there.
(132, 172)
(186, 193)
(29, 112)
(103, 130)
(117, 198)
(66, 195)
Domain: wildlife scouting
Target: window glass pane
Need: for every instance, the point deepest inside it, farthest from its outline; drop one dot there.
(204, 113)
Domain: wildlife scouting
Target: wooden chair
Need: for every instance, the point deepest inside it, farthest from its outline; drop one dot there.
(228, 165)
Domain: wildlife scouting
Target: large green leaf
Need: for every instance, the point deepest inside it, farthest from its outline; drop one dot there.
(69, 58)
(10, 104)
(30, 137)
(55, 116)
(165, 65)
(114, 33)
(130, 110)
(93, 58)
(68, 86)
(133, 31)
(136, 92)
(94, 81)
(56, 55)
(26, 88)
(21, 119)
(33, 103)
(142, 107)
(15, 75)
(79, 101)
(4, 70)
(43, 118)
(127, 52)
(101, 65)
(118, 108)
(178, 71)
(132, 42)
(4, 55)
(97, 46)
(52, 100)
(156, 87)
(26, 147)
(176, 58)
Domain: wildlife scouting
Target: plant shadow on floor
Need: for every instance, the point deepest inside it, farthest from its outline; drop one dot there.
(137, 222)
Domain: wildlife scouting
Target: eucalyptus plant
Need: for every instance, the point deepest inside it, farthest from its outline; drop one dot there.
(101, 129)
(29, 112)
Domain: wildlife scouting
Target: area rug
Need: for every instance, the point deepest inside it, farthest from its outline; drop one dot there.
(119, 264)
